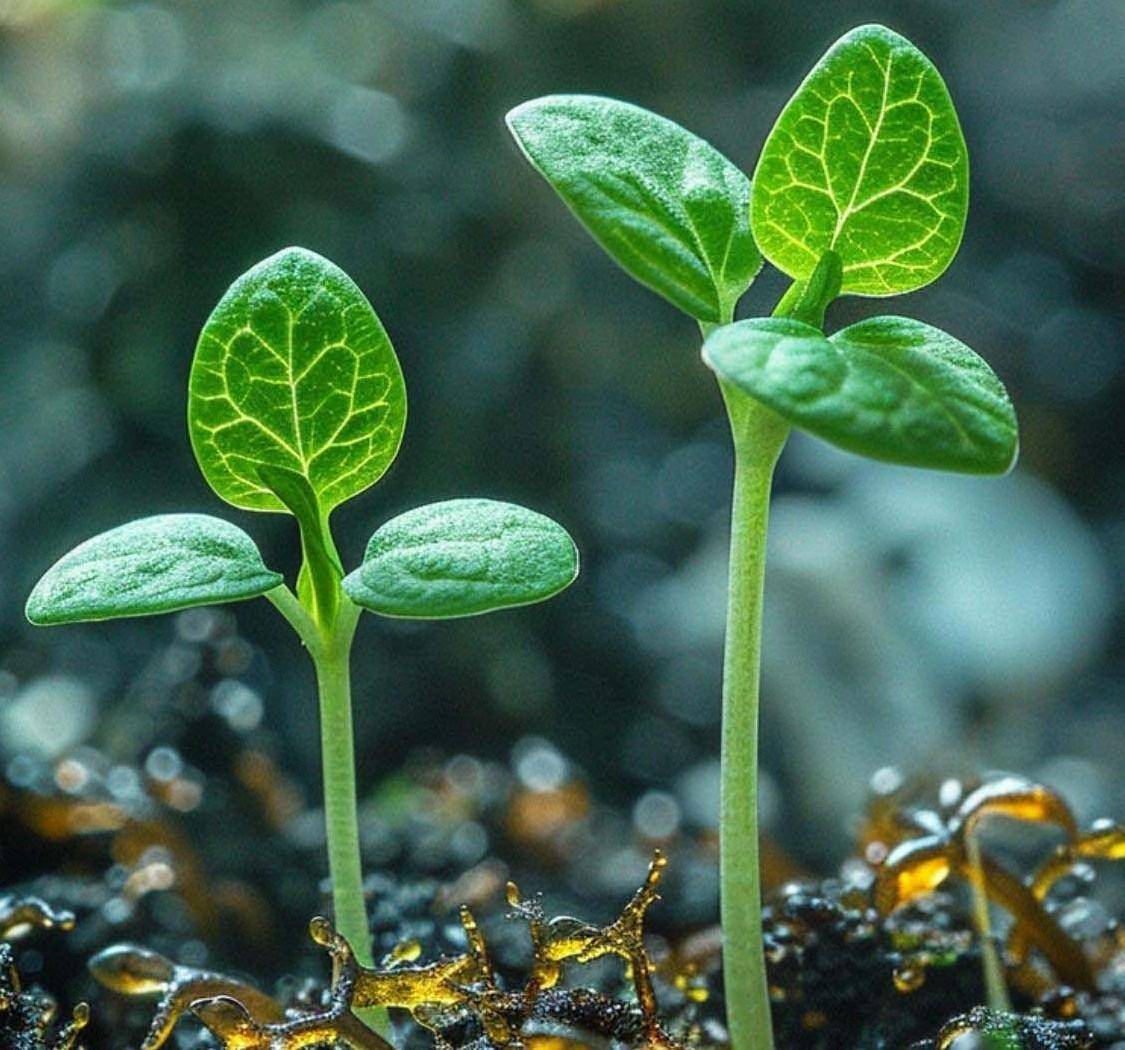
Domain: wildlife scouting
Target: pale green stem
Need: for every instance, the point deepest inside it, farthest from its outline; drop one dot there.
(333, 679)
(759, 436)
(286, 603)
(330, 649)
(996, 990)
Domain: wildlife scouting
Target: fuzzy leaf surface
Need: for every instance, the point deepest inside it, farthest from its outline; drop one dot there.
(867, 159)
(889, 388)
(668, 207)
(154, 565)
(294, 370)
(462, 557)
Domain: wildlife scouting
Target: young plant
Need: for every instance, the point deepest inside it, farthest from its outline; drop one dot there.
(296, 403)
(861, 189)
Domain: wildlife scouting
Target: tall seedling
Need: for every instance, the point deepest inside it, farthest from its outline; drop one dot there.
(861, 189)
(296, 403)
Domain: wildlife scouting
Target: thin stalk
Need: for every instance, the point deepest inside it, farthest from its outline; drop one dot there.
(330, 646)
(341, 817)
(286, 603)
(759, 436)
(333, 679)
(1068, 960)
(996, 991)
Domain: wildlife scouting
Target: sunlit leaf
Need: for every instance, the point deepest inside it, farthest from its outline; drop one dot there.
(462, 557)
(154, 565)
(668, 207)
(866, 159)
(294, 370)
(889, 388)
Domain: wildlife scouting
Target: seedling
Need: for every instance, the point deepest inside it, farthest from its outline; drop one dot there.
(296, 404)
(861, 189)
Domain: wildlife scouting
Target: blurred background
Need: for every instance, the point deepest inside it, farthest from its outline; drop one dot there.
(151, 152)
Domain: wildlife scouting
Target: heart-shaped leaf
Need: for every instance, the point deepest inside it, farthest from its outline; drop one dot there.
(462, 557)
(154, 565)
(667, 206)
(889, 388)
(866, 159)
(294, 370)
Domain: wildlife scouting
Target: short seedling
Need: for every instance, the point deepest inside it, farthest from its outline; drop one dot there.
(861, 189)
(296, 403)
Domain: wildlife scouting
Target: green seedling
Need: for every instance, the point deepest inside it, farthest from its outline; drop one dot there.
(296, 403)
(861, 189)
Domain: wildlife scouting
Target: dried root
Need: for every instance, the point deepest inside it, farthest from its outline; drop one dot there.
(26, 1017)
(20, 915)
(134, 971)
(232, 1023)
(925, 847)
(436, 993)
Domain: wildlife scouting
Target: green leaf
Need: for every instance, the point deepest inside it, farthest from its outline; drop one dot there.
(807, 300)
(867, 159)
(154, 565)
(321, 571)
(667, 206)
(462, 557)
(889, 388)
(294, 370)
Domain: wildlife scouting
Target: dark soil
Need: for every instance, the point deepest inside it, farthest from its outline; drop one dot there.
(184, 834)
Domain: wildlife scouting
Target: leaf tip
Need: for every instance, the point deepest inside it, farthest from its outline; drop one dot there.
(292, 257)
(873, 30)
(1014, 459)
(516, 114)
(529, 117)
(34, 609)
(520, 118)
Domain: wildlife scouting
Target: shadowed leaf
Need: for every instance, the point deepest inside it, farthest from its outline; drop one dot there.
(889, 388)
(154, 565)
(667, 206)
(321, 571)
(462, 557)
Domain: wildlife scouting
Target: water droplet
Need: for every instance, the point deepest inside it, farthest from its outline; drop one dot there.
(909, 978)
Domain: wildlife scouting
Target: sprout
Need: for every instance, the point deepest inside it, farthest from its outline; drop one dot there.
(861, 189)
(296, 404)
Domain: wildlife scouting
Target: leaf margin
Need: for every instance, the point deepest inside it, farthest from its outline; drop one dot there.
(46, 589)
(838, 355)
(725, 292)
(358, 588)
